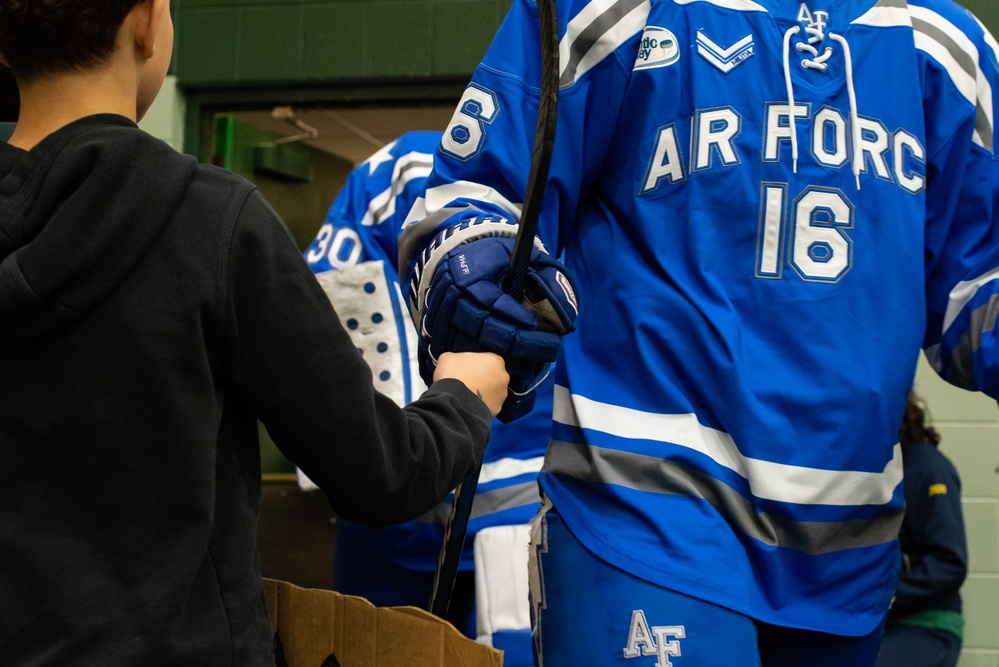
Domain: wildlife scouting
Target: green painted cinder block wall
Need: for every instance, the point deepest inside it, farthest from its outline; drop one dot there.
(229, 42)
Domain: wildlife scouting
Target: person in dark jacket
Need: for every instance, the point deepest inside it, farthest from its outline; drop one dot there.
(151, 311)
(925, 623)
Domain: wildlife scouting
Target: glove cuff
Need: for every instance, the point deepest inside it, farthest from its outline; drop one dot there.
(448, 239)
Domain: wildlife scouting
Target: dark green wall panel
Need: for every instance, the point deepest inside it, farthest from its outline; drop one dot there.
(261, 42)
(186, 4)
(270, 44)
(335, 39)
(399, 39)
(987, 12)
(463, 33)
(206, 44)
(289, 41)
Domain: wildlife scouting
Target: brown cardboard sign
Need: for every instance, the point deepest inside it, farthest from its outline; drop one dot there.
(321, 628)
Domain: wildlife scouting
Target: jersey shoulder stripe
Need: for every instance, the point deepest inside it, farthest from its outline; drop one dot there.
(990, 41)
(596, 32)
(885, 14)
(955, 51)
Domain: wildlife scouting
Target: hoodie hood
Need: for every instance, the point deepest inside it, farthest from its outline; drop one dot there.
(78, 212)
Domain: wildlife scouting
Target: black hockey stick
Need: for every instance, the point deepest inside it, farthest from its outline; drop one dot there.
(541, 157)
(537, 178)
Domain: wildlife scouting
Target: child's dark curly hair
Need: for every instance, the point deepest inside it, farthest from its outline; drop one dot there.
(39, 37)
(914, 424)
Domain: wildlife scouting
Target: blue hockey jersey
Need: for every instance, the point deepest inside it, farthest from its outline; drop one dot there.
(354, 256)
(769, 207)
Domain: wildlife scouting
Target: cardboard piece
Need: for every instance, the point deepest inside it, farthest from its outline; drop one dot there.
(321, 628)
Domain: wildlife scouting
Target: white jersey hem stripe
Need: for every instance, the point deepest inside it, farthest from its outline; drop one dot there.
(767, 480)
(509, 467)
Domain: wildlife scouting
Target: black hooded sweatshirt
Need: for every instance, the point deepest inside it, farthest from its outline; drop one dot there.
(151, 310)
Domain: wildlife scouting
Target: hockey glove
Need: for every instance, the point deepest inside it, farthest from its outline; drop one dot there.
(466, 310)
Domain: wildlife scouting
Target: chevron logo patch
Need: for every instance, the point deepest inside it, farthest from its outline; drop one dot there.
(725, 58)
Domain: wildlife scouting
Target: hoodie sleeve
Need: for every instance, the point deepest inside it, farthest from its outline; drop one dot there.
(294, 363)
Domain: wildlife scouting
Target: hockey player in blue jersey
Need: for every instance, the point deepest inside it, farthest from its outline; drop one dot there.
(769, 207)
(355, 255)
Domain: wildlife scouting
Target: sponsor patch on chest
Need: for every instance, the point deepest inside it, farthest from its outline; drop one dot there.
(658, 48)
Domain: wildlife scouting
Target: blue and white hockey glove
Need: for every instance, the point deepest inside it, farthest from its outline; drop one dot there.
(464, 309)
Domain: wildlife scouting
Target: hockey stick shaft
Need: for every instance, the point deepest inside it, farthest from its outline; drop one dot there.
(544, 142)
(537, 178)
(453, 544)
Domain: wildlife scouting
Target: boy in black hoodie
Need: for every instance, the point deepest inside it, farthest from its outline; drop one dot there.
(151, 310)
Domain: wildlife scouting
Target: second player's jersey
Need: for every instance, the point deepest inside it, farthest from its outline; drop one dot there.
(769, 207)
(354, 256)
